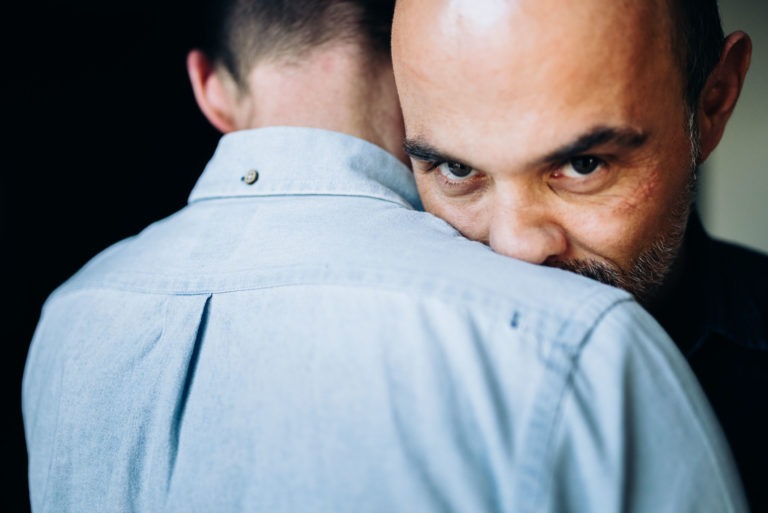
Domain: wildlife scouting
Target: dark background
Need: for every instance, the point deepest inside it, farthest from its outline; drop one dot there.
(101, 136)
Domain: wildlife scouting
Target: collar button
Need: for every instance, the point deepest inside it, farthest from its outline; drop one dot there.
(250, 177)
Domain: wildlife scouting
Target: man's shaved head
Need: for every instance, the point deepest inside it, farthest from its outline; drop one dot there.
(447, 45)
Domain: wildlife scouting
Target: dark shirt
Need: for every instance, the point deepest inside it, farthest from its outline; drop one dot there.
(717, 314)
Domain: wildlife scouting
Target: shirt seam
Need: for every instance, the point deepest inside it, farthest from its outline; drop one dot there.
(223, 197)
(560, 363)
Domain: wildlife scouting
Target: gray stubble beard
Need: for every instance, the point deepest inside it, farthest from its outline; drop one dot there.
(649, 270)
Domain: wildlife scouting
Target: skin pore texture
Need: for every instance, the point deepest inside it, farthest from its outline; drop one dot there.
(555, 132)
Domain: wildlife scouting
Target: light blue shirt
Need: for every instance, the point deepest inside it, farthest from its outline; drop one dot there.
(300, 338)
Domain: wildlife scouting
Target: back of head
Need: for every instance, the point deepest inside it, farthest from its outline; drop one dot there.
(312, 63)
(239, 33)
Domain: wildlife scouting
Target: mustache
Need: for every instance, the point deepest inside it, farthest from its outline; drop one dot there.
(643, 279)
(595, 270)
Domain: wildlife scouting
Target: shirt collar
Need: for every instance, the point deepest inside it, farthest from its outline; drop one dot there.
(279, 161)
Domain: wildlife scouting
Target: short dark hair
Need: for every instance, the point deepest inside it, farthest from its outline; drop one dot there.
(698, 40)
(238, 33)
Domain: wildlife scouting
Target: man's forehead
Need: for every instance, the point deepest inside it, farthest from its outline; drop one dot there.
(464, 23)
(484, 14)
(535, 51)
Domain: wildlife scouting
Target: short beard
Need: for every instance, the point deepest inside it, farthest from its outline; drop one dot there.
(652, 267)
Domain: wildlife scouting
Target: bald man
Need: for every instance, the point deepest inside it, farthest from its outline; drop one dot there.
(568, 134)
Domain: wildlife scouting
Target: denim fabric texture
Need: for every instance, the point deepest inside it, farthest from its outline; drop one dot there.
(302, 338)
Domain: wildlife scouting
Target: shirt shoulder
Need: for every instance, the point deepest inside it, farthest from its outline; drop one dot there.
(458, 371)
(651, 427)
(229, 246)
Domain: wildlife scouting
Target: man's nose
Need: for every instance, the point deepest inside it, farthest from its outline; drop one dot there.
(526, 233)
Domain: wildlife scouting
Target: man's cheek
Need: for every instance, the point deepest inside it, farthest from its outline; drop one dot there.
(605, 234)
(642, 196)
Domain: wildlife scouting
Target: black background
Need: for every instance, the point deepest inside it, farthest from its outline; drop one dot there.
(101, 136)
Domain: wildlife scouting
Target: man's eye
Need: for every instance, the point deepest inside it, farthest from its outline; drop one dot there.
(578, 167)
(455, 171)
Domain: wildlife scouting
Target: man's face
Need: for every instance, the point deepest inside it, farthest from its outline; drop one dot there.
(554, 131)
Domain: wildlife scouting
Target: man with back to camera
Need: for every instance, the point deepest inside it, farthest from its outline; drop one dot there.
(301, 338)
(568, 134)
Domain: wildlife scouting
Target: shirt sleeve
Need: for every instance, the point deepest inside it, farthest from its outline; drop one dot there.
(635, 432)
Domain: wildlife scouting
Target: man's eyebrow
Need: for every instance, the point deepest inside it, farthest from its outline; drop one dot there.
(418, 149)
(624, 137)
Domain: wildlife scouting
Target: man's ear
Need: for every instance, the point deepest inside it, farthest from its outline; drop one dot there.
(215, 92)
(722, 90)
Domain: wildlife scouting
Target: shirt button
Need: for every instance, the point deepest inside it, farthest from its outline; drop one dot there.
(250, 177)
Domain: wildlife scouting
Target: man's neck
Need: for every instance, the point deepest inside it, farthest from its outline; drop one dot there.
(336, 88)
